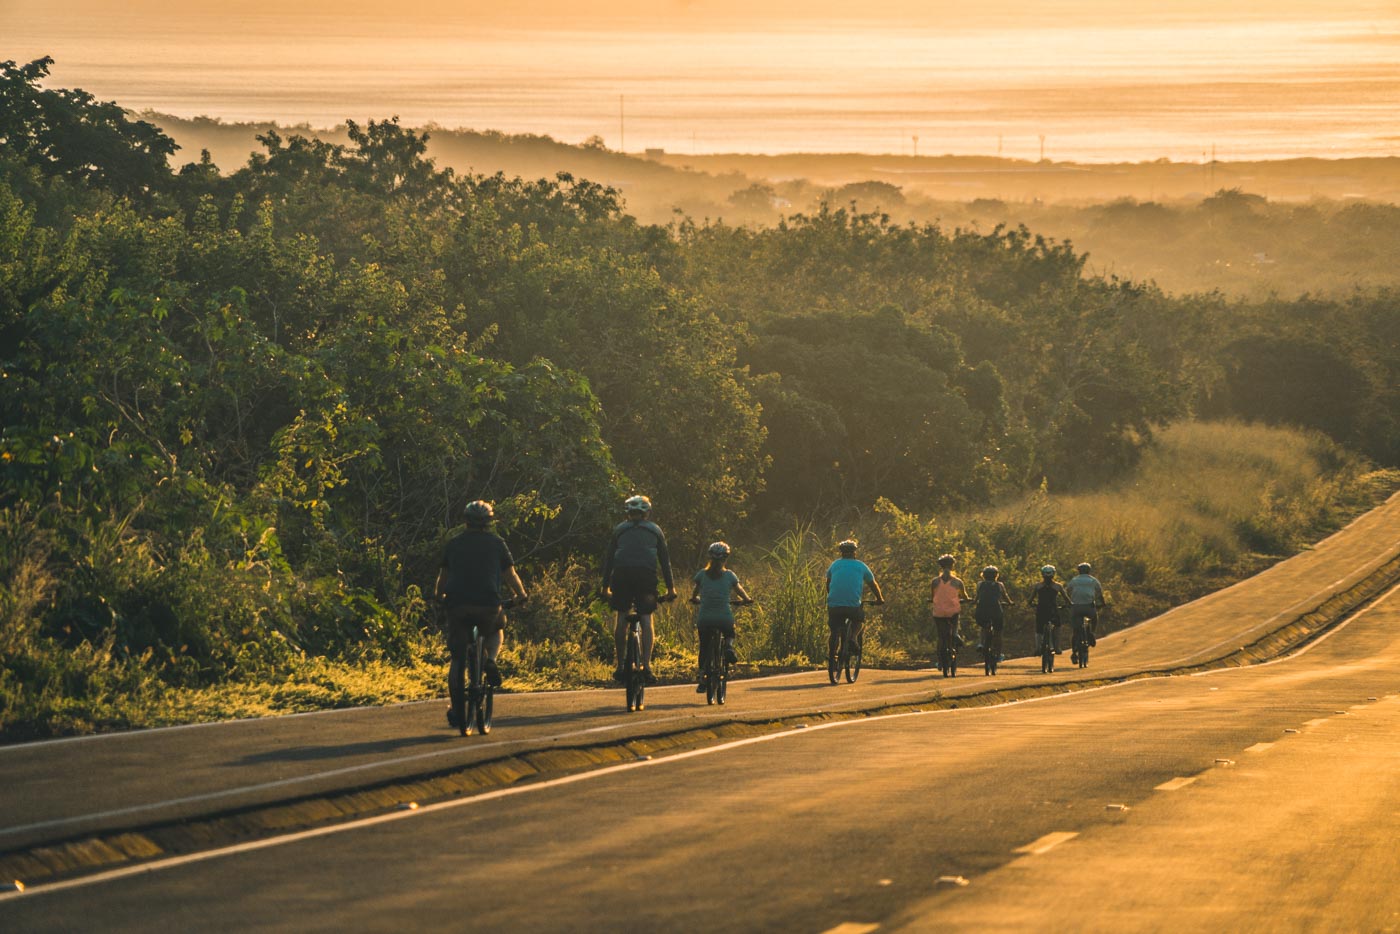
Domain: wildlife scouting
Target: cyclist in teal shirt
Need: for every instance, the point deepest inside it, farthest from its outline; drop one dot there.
(715, 588)
(846, 582)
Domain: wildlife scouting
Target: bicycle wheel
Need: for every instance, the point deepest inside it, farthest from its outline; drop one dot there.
(468, 725)
(833, 667)
(485, 706)
(721, 681)
(853, 665)
(632, 675)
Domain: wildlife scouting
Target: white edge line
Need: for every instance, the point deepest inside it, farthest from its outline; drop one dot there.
(804, 730)
(370, 766)
(91, 737)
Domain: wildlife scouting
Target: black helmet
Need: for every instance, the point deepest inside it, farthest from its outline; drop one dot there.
(479, 512)
(848, 547)
(990, 572)
(946, 561)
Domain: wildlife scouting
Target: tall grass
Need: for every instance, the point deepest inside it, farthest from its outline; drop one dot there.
(1210, 502)
(1207, 504)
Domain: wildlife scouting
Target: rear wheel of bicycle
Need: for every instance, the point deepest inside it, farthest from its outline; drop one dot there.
(853, 666)
(833, 668)
(632, 676)
(485, 706)
(721, 678)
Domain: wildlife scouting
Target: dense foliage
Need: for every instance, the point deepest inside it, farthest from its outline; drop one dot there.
(241, 411)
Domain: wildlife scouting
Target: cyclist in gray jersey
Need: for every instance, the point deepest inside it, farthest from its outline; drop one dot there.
(636, 550)
(1085, 599)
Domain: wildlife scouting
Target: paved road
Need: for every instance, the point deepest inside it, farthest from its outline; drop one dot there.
(65, 788)
(1263, 797)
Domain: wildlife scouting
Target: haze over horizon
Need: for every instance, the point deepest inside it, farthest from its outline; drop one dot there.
(1074, 80)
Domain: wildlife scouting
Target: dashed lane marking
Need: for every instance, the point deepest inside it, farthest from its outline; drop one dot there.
(1260, 747)
(1046, 843)
(1176, 783)
(1316, 722)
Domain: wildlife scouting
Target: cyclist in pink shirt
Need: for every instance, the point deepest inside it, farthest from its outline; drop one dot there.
(949, 594)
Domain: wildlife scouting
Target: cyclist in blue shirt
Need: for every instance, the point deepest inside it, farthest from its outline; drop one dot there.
(636, 550)
(846, 582)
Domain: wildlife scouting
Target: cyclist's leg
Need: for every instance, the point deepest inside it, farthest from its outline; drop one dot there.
(836, 622)
(648, 639)
(458, 637)
(620, 637)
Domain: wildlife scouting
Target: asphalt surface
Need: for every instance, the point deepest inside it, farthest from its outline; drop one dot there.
(852, 822)
(66, 788)
(1049, 811)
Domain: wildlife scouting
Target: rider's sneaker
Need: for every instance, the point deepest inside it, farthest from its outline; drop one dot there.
(493, 674)
(1074, 658)
(700, 688)
(1059, 651)
(1092, 641)
(1001, 657)
(618, 674)
(730, 655)
(453, 719)
(648, 677)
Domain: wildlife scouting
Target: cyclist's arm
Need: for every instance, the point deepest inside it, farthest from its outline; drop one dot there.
(516, 585)
(608, 563)
(1005, 596)
(663, 557)
(828, 584)
(875, 589)
(438, 592)
(1098, 595)
(743, 594)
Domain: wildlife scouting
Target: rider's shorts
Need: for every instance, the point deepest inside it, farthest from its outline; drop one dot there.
(725, 627)
(1083, 611)
(461, 619)
(836, 616)
(633, 586)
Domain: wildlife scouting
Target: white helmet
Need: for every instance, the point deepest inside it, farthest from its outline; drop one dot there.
(637, 504)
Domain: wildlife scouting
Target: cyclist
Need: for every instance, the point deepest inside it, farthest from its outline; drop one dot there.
(1085, 598)
(713, 587)
(949, 594)
(846, 582)
(637, 549)
(1049, 596)
(988, 609)
(474, 564)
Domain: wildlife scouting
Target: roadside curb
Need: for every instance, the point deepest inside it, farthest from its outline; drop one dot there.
(49, 862)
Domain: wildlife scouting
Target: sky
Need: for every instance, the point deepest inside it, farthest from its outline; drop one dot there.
(1090, 80)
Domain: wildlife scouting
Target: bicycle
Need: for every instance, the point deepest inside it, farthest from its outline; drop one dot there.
(947, 652)
(634, 679)
(1083, 636)
(848, 653)
(991, 649)
(479, 694)
(1047, 637)
(715, 649)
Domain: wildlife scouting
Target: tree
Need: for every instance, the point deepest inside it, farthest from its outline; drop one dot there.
(70, 134)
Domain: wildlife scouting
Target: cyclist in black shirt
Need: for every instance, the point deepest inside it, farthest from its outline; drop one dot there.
(1050, 596)
(474, 565)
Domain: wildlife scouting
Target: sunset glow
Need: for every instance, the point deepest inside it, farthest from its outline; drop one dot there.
(1313, 79)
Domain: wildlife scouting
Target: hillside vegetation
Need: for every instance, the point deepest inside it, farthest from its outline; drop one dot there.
(243, 409)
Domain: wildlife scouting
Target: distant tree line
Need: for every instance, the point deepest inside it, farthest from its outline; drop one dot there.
(242, 409)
